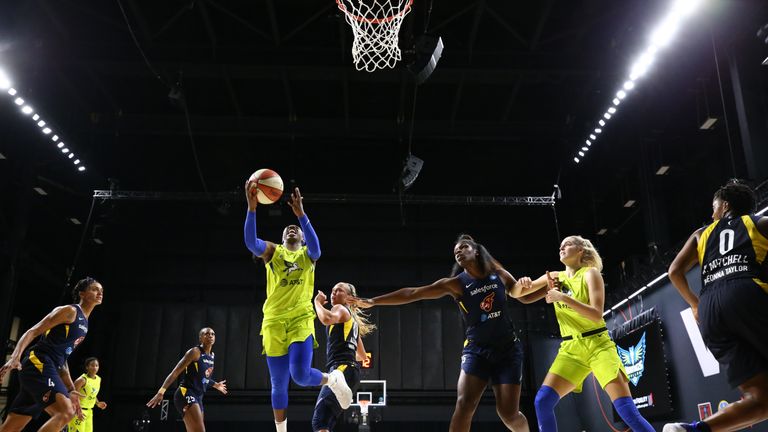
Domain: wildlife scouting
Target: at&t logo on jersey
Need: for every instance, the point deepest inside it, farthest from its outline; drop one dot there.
(634, 360)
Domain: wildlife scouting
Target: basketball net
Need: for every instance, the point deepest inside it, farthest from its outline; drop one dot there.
(376, 25)
(364, 406)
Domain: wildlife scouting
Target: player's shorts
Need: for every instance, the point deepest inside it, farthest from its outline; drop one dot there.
(581, 355)
(84, 425)
(327, 408)
(40, 381)
(278, 335)
(733, 318)
(499, 365)
(183, 399)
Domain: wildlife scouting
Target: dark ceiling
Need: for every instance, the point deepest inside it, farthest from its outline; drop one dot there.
(271, 83)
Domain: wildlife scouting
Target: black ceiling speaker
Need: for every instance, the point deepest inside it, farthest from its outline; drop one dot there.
(411, 170)
(426, 55)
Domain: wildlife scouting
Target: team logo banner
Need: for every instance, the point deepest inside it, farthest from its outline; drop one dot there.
(634, 360)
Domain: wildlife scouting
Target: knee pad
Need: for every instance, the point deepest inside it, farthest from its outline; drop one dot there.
(546, 399)
(631, 416)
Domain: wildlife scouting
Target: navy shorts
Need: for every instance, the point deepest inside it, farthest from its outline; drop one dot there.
(39, 381)
(733, 320)
(497, 365)
(183, 399)
(327, 408)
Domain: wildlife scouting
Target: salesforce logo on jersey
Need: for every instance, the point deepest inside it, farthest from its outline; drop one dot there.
(633, 359)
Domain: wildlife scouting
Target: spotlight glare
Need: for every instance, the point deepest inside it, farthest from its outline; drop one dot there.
(12, 91)
(46, 130)
(26, 109)
(607, 116)
(601, 122)
(592, 137)
(621, 94)
(19, 101)
(611, 110)
(4, 81)
(665, 31)
(629, 85)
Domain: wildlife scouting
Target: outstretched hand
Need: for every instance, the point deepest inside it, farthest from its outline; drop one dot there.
(156, 399)
(221, 386)
(296, 203)
(9, 366)
(525, 282)
(363, 303)
(251, 195)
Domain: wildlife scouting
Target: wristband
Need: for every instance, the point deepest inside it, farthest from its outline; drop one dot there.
(161, 390)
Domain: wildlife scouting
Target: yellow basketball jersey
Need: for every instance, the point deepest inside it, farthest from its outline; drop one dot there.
(571, 322)
(90, 390)
(290, 284)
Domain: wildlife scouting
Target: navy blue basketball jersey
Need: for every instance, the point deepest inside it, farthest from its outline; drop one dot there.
(342, 342)
(58, 342)
(197, 376)
(733, 248)
(483, 304)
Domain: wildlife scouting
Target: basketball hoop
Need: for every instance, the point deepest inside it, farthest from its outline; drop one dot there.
(376, 25)
(364, 406)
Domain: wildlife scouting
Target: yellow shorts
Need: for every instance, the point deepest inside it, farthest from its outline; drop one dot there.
(84, 425)
(580, 356)
(278, 334)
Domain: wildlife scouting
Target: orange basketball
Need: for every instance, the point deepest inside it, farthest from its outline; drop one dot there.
(268, 185)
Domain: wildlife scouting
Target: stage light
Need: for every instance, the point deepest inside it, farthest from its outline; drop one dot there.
(585, 149)
(592, 136)
(629, 85)
(12, 91)
(55, 138)
(71, 155)
(19, 101)
(621, 94)
(607, 116)
(47, 130)
(40, 191)
(589, 143)
(598, 130)
(77, 161)
(576, 160)
(41, 123)
(611, 110)
(36, 117)
(581, 153)
(26, 109)
(5, 82)
(60, 145)
(82, 168)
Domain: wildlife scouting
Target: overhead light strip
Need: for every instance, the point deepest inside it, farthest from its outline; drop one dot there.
(28, 111)
(660, 38)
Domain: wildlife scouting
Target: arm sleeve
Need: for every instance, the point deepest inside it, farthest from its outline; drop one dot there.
(313, 244)
(256, 245)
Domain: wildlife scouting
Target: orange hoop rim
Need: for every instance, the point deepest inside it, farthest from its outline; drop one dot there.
(402, 13)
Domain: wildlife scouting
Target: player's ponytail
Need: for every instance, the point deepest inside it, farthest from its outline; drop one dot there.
(363, 319)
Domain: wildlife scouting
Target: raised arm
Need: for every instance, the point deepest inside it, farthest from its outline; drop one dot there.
(59, 315)
(337, 314)
(313, 243)
(192, 355)
(592, 311)
(440, 288)
(261, 248)
(684, 261)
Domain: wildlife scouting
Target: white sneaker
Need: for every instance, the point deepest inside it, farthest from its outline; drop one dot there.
(339, 387)
(674, 427)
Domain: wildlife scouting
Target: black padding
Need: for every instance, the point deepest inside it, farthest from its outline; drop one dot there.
(235, 348)
(257, 375)
(172, 342)
(149, 333)
(411, 346)
(389, 329)
(432, 347)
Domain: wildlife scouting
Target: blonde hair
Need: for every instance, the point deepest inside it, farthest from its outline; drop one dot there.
(363, 324)
(590, 257)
